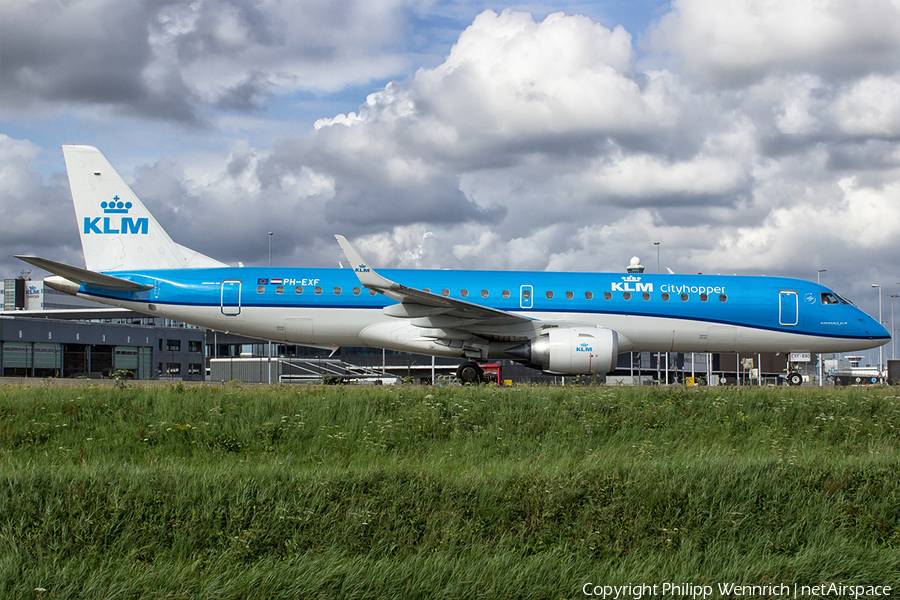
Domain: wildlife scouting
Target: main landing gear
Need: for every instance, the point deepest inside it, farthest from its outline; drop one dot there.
(469, 372)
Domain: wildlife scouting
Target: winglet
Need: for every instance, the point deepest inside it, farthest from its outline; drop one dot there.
(367, 276)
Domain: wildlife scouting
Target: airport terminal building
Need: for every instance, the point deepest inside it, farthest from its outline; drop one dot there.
(78, 338)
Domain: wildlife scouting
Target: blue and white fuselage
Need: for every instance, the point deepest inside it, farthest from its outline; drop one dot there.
(672, 313)
(558, 322)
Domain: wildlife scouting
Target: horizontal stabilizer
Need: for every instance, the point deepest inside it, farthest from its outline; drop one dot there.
(79, 275)
(74, 313)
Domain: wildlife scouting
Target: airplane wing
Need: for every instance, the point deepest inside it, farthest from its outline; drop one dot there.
(440, 311)
(79, 275)
(449, 320)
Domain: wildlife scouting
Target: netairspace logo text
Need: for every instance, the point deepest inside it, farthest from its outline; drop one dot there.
(731, 590)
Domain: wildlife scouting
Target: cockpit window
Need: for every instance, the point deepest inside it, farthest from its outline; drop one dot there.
(829, 298)
(844, 300)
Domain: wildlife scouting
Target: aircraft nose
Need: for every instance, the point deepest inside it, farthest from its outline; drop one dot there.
(878, 331)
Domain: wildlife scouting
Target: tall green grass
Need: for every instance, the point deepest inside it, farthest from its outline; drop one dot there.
(336, 492)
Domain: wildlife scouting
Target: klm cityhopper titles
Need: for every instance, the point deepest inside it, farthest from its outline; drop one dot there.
(561, 323)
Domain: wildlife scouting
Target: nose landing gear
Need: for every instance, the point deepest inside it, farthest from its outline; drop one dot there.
(794, 378)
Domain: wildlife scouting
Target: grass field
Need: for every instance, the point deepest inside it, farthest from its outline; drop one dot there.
(445, 492)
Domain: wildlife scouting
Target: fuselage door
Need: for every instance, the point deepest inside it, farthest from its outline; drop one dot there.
(231, 298)
(525, 296)
(788, 308)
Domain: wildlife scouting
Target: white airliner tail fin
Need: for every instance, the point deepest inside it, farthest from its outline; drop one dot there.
(117, 231)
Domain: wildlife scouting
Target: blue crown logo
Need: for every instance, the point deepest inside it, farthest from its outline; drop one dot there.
(115, 207)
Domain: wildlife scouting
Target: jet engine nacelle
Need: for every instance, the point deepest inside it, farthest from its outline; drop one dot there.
(572, 350)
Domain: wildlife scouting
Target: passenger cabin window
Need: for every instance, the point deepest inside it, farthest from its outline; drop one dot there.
(318, 290)
(829, 298)
(372, 292)
(279, 289)
(549, 294)
(298, 290)
(626, 296)
(645, 296)
(445, 292)
(464, 293)
(356, 291)
(260, 289)
(505, 293)
(703, 297)
(684, 297)
(484, 293)
(526, 294)
(570, 295)
(426, 290)
(607, 295)
(588, 295)
(665, 297)
(337, 291)
(723, 298)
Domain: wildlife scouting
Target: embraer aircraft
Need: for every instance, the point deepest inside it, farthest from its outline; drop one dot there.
(561, 323)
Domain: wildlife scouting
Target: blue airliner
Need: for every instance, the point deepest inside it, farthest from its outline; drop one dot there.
(561, 323)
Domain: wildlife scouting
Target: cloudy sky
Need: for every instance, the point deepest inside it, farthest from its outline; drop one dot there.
(746, 136)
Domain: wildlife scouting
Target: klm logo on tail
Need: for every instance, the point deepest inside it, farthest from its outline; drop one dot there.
(112, 226)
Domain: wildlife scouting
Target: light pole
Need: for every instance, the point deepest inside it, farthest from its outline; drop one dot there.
(880, 348)
(893, 336)
(657, 354)
(271, 233)
(821, 370)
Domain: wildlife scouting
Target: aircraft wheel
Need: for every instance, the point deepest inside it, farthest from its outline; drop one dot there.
(469, 372)
(795, 378)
